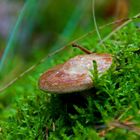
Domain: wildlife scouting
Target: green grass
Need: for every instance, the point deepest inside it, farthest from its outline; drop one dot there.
(33, 114)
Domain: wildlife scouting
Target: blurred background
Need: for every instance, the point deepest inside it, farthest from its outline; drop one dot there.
(32, 29)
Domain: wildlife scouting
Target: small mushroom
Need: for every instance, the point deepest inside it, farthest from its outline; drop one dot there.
(74, 75)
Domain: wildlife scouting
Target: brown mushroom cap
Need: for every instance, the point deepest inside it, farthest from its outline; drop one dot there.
(74, 74)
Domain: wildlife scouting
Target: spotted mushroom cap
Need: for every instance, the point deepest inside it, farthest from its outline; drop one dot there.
(74, 75)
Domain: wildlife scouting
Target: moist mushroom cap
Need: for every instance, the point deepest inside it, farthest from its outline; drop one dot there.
(74, 74)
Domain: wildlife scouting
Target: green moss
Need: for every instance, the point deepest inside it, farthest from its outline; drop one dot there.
(33, 114)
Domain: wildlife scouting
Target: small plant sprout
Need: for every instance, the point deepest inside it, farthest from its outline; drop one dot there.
(74, 75)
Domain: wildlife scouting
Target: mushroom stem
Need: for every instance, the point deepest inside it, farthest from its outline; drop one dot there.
(81, 48)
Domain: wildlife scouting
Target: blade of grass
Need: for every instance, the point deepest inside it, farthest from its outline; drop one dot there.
(95, 23)
(9, 45)
(118, 28)
(28, 28)
(94, 19)
(70, 26)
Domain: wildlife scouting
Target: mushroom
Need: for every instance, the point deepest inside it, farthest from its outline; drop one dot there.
(74, 75)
